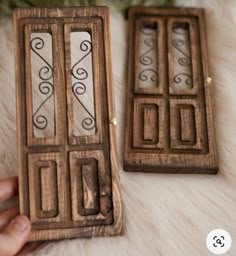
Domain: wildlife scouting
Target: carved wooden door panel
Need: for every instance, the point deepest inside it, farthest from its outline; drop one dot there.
(169, 93)
(67, 168)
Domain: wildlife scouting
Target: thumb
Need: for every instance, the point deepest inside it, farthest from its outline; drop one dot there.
(14, 236)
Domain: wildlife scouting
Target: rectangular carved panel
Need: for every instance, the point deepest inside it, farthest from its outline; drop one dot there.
(47, 189)
(187, 124)
(148, 120)
(88, 182)
(170, 126)
(186, 130)
(68, 174)
(91, 195)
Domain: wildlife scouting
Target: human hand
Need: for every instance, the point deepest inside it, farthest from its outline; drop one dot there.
(14, 228)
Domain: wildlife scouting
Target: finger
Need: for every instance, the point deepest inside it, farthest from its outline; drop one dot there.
(14, 236)
(29, 248)
(8, 188)
(7, 216)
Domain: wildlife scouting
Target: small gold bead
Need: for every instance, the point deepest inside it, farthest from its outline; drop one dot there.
(113, 121)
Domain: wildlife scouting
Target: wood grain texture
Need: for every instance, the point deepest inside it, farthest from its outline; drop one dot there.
(68, 185)
(183, 124)
(165, 214)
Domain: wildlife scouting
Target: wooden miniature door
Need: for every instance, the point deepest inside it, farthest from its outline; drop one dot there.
(169, 104)
(64, 128)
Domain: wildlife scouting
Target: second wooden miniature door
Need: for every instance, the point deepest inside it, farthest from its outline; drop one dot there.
(66, 163)
(169, 113)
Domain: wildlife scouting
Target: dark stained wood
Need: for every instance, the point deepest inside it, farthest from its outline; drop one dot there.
(68, 184)
(169, 126)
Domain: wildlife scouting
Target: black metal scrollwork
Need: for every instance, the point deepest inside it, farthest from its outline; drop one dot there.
(178, 78)
(148, 73)
(145, 59)
(185, 60)
(79, 88)
(45, 86)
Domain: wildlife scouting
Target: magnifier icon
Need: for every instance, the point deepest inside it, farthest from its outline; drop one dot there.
(218, 241)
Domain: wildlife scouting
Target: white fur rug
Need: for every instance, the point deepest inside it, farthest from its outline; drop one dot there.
(164, 214)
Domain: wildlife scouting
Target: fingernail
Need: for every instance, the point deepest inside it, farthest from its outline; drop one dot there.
(20, 223)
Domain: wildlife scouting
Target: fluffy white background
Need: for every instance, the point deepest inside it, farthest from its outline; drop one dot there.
(164, 214)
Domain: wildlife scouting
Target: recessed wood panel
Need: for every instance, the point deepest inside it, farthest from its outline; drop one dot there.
(150, 120)
(186, 130)
(187, 124)
(91, 195)
(68, 174)
(169, 126)
(47, 189)
(148, 123)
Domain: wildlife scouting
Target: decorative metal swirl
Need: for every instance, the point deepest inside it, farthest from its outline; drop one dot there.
(144, 77)
(45, 72)
(145, 59)
(183, 61)
(79, 88)
(80, 73)
(178, 78)
(40, 121)
(45, 86)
